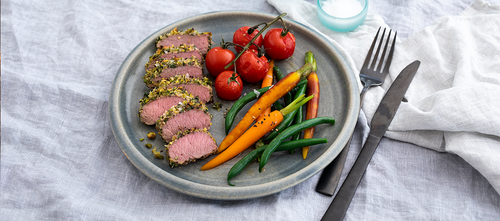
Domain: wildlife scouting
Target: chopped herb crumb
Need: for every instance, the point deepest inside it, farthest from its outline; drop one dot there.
(151, 135)
(217, 105)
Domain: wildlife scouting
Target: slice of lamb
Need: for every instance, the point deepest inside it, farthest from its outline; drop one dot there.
(182, 51)
(170, 67)
(188, 146)
(184, 116)
(159, 100)
(198, 87)
(202, 40)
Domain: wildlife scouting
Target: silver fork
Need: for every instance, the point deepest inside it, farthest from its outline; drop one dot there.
(371, 74)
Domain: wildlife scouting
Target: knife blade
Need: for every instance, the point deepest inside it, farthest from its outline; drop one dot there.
(380, 122)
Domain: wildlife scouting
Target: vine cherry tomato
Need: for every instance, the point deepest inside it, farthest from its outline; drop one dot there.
(251, 67)
(241, 37)
(228, 85)
(279, 44)
(217, 58)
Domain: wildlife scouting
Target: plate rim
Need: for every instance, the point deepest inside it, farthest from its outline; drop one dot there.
(208, 191)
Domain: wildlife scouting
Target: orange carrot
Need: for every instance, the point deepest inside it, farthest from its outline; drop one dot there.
(266, 100)
(257, 131)
(266, 82)
(312, 107)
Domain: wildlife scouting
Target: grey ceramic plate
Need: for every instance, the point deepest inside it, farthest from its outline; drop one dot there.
(339, 98)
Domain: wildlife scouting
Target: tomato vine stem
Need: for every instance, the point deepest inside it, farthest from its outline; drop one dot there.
(279, 17)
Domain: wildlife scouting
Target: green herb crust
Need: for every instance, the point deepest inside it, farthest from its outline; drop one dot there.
(164, 92)
(172, 49)
(183, 79)
(186, 105)
(178, 80)
(190, 31)
(169, 63)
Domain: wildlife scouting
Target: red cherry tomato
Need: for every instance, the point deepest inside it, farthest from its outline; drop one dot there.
(241, 37)
(217, 58)
(279, 47)
(228, 85)
(251, 67)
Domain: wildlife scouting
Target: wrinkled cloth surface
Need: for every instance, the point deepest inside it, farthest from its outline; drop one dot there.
(451, 105)
(60, 160)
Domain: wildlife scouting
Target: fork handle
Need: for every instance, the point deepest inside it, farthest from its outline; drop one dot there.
(329, 179)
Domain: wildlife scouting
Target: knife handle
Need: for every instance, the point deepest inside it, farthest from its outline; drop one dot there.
(329, 179)
(340, 204)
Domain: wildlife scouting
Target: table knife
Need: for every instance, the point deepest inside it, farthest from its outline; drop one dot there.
(379, 124)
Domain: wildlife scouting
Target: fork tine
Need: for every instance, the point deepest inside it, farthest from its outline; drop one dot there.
(375, 57)
(389, 57)
(385, 50)
(368, 55)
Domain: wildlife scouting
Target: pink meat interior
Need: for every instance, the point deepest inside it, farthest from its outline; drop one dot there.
(184, 121)
(192, 146)
(192, 71)
(152, 111)
(200, 41)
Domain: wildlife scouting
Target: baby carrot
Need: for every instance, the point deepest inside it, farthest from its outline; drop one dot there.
(257, 131)
(252, 95)
(266, 82)
(266, 100)
(312, 107)
(288, 119)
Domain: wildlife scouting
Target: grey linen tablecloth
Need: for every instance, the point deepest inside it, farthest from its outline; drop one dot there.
(60, 160)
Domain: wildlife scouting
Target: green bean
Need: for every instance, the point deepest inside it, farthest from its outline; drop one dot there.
(279, 76)
(239, 104)
(289, 132)
(298, 116)
(288, 119)
(240, 165)
(297, 120)
(277, 105)
(277, 72)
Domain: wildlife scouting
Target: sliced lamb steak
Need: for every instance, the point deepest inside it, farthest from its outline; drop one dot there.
(191, 37)
(170, 67)
(184, 116)
(159, 100)
(188, 146)
(181, 51)
(198, 87)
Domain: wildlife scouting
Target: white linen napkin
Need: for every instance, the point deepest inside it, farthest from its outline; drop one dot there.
(454, 100)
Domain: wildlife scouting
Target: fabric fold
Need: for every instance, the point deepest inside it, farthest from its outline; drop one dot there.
(453, 101)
